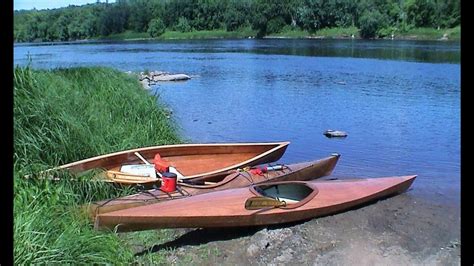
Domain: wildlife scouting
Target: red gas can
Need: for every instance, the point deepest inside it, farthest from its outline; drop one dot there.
(168, 181)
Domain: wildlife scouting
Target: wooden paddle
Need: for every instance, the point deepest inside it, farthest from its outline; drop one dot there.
(255, 203)
(141, 158)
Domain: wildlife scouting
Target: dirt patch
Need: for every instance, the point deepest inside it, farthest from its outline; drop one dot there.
(395, 231)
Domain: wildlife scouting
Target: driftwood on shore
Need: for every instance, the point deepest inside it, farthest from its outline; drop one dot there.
(151, 78)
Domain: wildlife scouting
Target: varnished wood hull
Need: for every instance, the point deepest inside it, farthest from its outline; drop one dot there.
(226, 208)
(232, 179)
(192, 160)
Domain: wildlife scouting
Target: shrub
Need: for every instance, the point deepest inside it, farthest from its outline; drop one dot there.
(275, 25)
(370, 23)
(156, 27)
(183, 25)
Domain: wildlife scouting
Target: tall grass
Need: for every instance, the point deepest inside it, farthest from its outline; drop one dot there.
(173, 35)
(126, 35)
(62, 116)
(432, 34)
(338, 32)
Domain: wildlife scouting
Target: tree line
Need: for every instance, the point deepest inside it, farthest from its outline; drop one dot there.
(374, 18)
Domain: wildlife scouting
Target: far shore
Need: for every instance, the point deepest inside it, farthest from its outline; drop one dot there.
(421, 34)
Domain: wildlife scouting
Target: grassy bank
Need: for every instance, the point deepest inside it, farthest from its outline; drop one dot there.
(430, 34)
(323, 33)
(208, 34)
(62, 116)
(288, 32)
(172, 35)
(330, 33)
(126, 35)
(344, 33)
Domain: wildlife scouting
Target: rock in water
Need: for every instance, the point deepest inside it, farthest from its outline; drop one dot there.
(335, 133)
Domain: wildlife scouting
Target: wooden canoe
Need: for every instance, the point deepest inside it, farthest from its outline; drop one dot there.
(299, 200)
(191, 160)
(231, 179)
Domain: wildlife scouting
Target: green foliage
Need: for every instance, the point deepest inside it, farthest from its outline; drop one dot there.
(338, 32)
(421, 13)
(113, 20)
(156, 27)
(238, 14)
(370, 24)
(430, 33)
(386, 32)
(126, 35)
(275, 25)
(448, 13)
(62, 116)
(274, 11)
(183, 25)
(206, 34)
(265, 17)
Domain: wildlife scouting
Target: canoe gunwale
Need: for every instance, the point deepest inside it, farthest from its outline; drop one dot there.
(279, 146)
(131, 151)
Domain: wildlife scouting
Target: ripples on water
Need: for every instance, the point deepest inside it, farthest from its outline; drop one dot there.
(398, 100)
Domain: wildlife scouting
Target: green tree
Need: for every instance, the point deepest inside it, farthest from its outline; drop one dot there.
(373, 17)
(238, 14)
(421, 13)
(141, 14)
(61, 27)
(275, 25)
(370, 23)
(156, 27)
(448, 13)
(183, 25)
(175, 10)
(113, 20)
(265, 11)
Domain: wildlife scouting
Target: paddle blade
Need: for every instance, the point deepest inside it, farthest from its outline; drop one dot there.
(255, 203)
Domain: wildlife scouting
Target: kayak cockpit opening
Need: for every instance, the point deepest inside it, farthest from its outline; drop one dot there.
(290, 193)
(281, 195)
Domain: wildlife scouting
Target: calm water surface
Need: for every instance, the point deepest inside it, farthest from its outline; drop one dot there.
(398, 100)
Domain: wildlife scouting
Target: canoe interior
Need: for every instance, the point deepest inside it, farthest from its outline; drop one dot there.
(290, 192)
(188, 159)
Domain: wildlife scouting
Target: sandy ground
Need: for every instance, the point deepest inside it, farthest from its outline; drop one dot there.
(402, 230)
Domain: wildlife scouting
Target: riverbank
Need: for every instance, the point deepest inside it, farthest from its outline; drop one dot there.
(63, 116)
(452, 34)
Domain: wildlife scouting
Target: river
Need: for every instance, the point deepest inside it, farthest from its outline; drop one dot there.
(399, 101)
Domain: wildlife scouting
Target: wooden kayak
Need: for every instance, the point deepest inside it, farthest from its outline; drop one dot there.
(231, 179)
(262, 204)
(191, 160)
